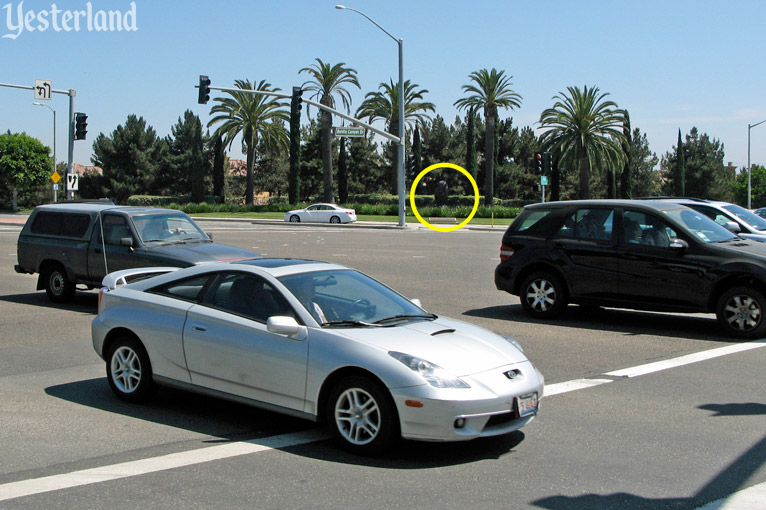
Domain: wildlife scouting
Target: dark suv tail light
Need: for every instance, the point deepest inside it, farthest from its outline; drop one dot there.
(506, 252)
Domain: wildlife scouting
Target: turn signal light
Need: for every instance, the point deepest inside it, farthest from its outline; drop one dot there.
(413, 403)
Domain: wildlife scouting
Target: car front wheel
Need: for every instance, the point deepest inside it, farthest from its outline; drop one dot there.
(543, 296)
(740, 312)
(58, 286)
(362, 416)
(129, 371)
(295, 219)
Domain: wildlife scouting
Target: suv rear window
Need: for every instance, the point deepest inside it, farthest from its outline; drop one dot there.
(528, 218)
(60, 224)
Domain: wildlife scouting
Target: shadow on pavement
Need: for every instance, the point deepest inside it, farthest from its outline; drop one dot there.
(83, 302)
(229, 421)
(628, 322)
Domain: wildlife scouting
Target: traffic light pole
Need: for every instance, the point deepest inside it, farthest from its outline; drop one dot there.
(342, 115)
(70, 166)
(71, 93)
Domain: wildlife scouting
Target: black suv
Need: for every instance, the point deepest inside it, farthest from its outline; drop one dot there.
(639, 254)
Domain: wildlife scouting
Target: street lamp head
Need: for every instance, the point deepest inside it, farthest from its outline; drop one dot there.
(339, 6)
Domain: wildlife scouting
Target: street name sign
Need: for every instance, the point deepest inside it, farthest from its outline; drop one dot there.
(352, 131)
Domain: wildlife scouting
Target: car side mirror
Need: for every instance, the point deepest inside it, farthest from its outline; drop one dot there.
(210, 235)
(126, 241)
(733, 226)
(288, 326)
(416, 302)
(678, 245)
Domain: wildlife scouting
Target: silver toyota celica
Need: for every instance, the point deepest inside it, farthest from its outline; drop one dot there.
(314, 340)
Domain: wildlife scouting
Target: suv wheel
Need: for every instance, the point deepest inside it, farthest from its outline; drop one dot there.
(58, 286)
(740, 312)
(543, 295)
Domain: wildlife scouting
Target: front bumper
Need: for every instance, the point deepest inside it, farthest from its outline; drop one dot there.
(487, 408)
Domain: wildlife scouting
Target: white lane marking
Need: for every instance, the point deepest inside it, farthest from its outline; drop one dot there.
(688, 359)
(143, 466)
(174, 460)
(753, 498)
(577, 384)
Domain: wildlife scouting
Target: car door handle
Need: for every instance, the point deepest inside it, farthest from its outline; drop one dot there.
(199, 328)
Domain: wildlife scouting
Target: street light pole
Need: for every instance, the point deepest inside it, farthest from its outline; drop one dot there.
(400, 158)
(749, 168)
(54, 140)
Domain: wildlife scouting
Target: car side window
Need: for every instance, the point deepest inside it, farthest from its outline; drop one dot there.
(188, 289)
(115, 229)
(588, 224)
(713, 214)
(646, 229)
(250, 296)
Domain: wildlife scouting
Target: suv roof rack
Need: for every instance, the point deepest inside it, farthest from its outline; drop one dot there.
(674, 198)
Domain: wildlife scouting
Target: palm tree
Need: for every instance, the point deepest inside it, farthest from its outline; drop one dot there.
(254, 116)
(384, 105)
(326, 81)
(586, 130)
(489, 91)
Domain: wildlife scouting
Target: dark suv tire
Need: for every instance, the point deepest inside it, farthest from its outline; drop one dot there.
(740, 312)
(542, 295)
(58, 286)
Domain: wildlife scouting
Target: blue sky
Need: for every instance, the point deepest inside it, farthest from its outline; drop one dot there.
(672, 64)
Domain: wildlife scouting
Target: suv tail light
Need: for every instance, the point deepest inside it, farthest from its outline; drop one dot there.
(506, 252)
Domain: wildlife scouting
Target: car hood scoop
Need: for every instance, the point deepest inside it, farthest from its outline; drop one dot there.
(457, 346)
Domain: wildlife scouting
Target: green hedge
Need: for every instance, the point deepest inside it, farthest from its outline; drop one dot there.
(367, 205)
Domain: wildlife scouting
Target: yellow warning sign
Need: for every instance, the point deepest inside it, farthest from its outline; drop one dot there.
(55, 177)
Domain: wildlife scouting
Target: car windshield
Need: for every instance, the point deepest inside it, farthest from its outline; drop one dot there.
(167, 227)
(345, 297)
(700, 226)
(748, 217)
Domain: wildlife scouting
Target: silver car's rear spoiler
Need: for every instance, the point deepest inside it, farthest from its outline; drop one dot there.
(112, 280)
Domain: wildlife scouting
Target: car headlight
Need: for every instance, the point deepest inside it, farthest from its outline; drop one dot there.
(434, 374)
(515, 343)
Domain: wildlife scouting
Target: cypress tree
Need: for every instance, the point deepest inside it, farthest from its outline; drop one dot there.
(680, 168)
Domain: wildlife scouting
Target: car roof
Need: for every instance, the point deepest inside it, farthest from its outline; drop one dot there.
(658, 205)
(91, 207)
(689, 200)
(278, 267)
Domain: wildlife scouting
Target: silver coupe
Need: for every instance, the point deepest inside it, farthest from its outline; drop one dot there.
(314, 340)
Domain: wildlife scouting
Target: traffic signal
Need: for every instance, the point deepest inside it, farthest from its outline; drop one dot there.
(80, 126)
(539, 163)
(204, 90)
(296, 103)
(547, 163)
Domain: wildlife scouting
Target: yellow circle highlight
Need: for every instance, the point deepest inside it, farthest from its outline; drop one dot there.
(415, 185)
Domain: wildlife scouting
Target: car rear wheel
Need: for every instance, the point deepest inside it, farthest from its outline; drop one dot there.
(362, 416)
(334, 219)
(58, 286)
(295, 219)
(740, 312)
(129, 371)
(543, 295)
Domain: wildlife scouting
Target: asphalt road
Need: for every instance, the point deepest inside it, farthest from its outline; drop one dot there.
(677, 438)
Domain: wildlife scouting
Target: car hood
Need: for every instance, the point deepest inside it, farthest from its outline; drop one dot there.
(459, 347)
(198, 252)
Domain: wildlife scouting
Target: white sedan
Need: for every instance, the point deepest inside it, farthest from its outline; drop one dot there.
(322, 213)
(314, 340)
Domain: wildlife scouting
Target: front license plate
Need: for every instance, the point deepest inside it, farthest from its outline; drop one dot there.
(526, 404)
